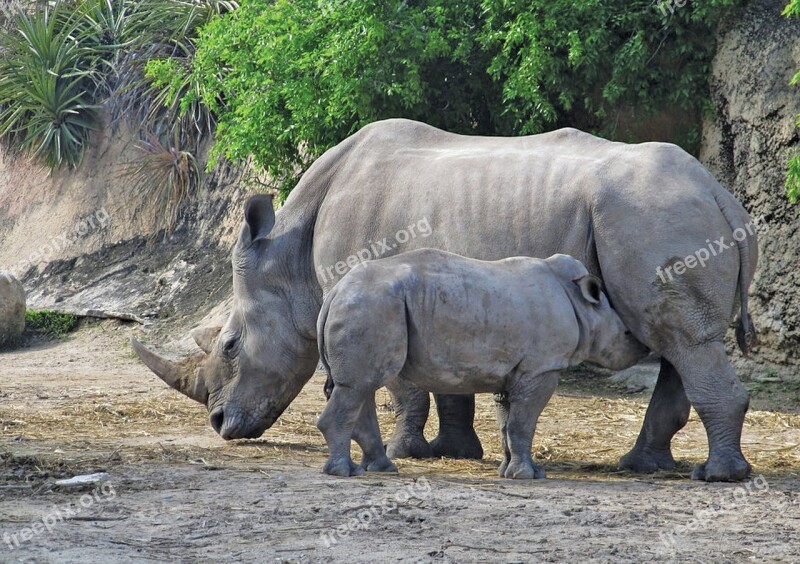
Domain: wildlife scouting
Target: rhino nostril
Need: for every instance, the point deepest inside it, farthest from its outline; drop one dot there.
(217, 417)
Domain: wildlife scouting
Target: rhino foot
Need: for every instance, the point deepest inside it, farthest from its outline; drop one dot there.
(647, 461)
(457, 444)
(384, 465)
(409, 446)
(730, 467)
(501, 470)
(343, 467)
(524, 470)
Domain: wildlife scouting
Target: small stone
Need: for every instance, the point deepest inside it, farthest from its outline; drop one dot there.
(639, 378)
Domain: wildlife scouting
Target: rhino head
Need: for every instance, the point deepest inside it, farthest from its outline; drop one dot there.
(604, 339)
(255, 365)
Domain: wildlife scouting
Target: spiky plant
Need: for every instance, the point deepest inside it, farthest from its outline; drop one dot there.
(46, 76)
(166, 175)
(105, 28)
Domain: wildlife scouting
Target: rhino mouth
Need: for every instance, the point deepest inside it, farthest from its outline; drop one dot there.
(236, 426)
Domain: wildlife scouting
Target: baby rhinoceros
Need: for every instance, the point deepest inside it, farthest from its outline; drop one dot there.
(454, 325)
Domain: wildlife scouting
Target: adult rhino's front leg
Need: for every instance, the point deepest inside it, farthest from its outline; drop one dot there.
(667, 414)
(457, 437)
(502, 409)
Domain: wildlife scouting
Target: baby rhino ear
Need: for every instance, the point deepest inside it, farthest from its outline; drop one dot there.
(590, 287)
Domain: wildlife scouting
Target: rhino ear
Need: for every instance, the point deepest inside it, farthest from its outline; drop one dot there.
(259, 215)
(591, 288)
(205, 337)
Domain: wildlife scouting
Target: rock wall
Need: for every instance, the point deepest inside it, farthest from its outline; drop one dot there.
(747, 145)
(83, 241)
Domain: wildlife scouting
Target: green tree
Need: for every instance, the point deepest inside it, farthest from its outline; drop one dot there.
(290, 78)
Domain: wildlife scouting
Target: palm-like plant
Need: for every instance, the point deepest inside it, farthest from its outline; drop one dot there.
(46, 76)
(61, 60)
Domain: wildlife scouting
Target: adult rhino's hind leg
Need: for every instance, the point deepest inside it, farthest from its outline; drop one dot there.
(457, 437)
(411, 406)
(667, 414)
(721, 402)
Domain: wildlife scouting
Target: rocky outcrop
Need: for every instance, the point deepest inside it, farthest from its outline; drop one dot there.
(747, 145)
(12, 310)
(84, 241)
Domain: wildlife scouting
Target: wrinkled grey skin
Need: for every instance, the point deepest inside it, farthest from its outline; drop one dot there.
(454, 325)
(623, 210)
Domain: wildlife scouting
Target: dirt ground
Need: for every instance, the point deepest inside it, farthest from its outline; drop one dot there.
(174, 491)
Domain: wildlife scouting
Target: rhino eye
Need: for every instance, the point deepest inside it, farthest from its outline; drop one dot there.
(230, 347)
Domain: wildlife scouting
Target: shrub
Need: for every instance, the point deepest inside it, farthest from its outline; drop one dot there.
(166, 173)
(156, 89)
(288, 79)
(793, 171)
(61, 61)
(50, 323)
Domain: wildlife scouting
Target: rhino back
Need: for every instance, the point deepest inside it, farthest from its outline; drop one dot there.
(470, 323)
(621, 209)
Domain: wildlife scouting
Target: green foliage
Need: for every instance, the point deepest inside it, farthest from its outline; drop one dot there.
(46, 75)
(793, 170)
(792, 8)
(61, 61)
(793, 179)
(593, 59)
(290, 78)
(50, 323)
(156, 89)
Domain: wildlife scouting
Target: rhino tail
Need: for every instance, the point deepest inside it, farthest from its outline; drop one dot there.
(745, 330)
(323, 354)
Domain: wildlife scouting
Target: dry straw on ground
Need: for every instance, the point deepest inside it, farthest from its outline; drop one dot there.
(582, 434)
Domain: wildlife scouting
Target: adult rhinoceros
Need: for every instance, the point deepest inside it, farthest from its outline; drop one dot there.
(639, 216)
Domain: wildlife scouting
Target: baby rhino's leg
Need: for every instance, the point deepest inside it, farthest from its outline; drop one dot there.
(336, 423)
(527, 400)
(361, 360)
(367, 434)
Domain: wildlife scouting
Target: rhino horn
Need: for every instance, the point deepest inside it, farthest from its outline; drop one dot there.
(180, 375)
